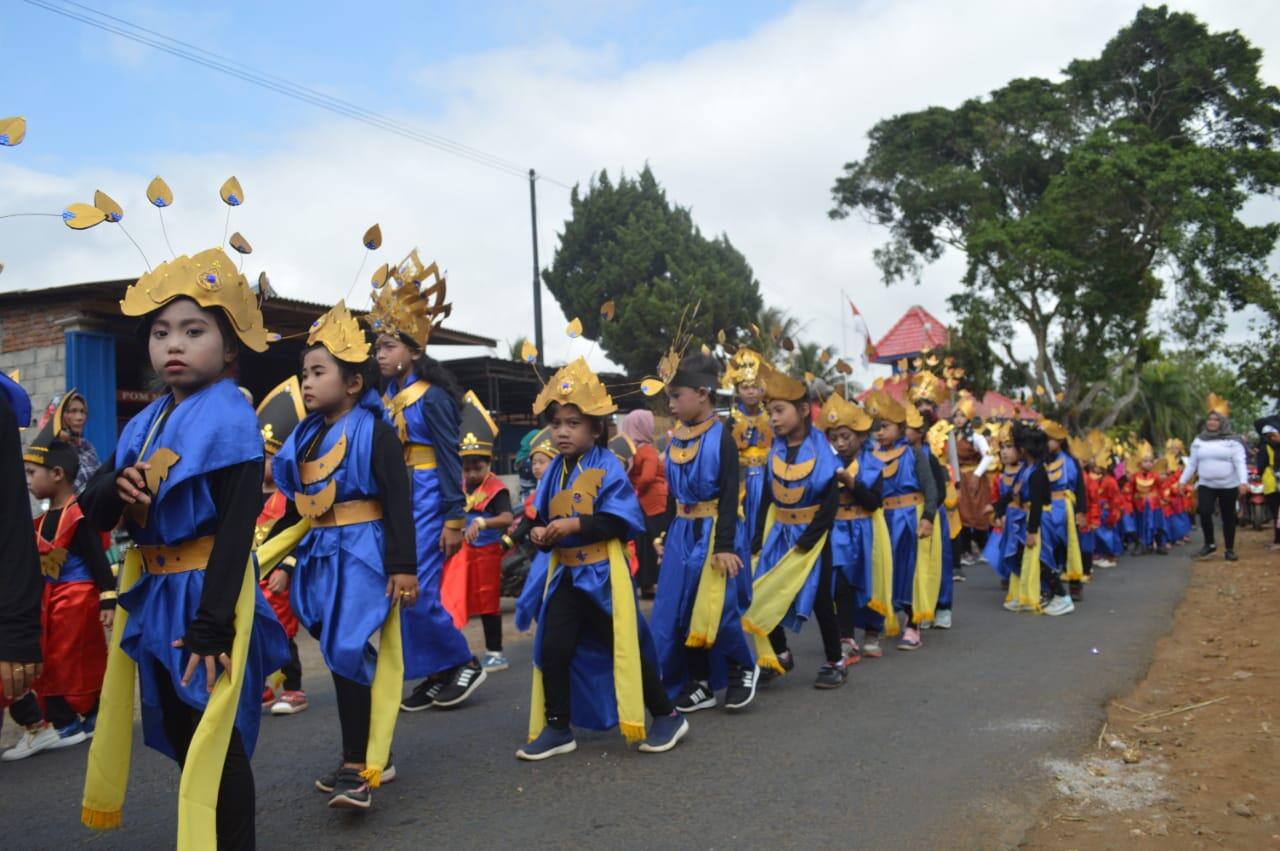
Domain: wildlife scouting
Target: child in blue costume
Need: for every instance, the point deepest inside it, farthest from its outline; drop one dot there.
(753, 435)
(1069, 510)
(186, 479)
(541, 453)
(421, 401)
(847, 427)
(1033, 493)
(342, 471)
(697, 615)
(1001, 548)
(910, 498)
(594, 662)
(793, 569)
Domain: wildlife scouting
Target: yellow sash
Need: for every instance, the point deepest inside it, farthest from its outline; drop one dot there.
(388, 684)
(1074, 570)
(627, 688)
(708, 603)
(928, 577)
(882, 573)
(773, 593)
(1029, 578)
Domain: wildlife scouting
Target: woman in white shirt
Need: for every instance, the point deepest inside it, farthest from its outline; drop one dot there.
(1218, 460)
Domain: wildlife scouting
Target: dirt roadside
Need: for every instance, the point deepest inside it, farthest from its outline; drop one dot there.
(1188, 758)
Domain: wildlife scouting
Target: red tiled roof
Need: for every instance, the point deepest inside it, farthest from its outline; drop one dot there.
(915, 331)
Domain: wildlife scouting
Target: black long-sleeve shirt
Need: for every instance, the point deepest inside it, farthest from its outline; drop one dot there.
(86, 544)
(820, 523)
(21, 585)
(727, 499)
(1041, 496)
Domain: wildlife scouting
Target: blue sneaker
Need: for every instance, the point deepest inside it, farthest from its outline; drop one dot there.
(89, 723)
(664, 733)
(550, 742)
(72, 734)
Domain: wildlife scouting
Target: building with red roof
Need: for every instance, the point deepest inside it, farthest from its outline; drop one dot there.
(916, 331)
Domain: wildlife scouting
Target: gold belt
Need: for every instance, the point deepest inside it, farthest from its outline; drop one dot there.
(420, 456)
(1058, 496)
(852, 512)
(795, 516)
(697, 510)
(903, 501)
(349, 512)
(160, 560)
(752, 460)
(578, 556)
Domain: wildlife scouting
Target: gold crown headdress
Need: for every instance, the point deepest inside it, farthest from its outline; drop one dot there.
(280, 413)
(837, 412)
(575, 384)
(37, 450)
(882, 406)
(743, 368)
(340, 333)
(925, 385)
(1215, 404)
(967, 405)
(778, 385)
(1052, 430)
(409, 300)
(479, 431)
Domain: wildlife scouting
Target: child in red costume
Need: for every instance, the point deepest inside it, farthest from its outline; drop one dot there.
(472, 583)
(79, 600)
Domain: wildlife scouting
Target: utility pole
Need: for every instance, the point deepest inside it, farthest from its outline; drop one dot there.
(537, 272)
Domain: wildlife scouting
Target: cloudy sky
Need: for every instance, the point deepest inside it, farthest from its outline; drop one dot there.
(745, 109)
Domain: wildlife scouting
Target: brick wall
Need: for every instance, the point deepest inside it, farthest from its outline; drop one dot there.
(44, 372)
(25, 328)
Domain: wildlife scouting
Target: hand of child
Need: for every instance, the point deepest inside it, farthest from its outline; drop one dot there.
(131, 484)
(450, 541)
(926, 528)
(538, 535)
(659, 545)
(210, 667)
(473, 531)
(727, 564)
(1033, 540)
(107, 617)
(278, 582)
(403, 587)
(16, 678)
(559, 529)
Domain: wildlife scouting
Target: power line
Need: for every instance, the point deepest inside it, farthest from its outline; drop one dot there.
(200, 56)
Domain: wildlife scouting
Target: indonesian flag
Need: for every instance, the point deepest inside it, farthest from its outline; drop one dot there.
(868, 348)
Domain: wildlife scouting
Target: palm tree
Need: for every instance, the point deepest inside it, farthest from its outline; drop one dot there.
(514, 348)
(1167, 404)
(775, 324)
(808, 358)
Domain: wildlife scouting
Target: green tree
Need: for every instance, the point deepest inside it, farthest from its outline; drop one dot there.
(626, 243)
(776, 324)
(515, 348)
(808, 357)
(1079, 204)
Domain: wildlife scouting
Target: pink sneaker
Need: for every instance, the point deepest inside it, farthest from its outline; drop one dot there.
(290, 703)
(850, 654)
(910, 639)
(268, 697)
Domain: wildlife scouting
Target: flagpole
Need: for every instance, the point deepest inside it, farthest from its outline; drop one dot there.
(844, 339)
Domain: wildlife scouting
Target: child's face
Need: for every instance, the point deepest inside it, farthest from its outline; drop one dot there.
(786, 417)
(186, 346)
(750, 394)
(574, 432)
(323, 387)
(887, 433)
(74, 414)
(914, 436)
(1009, 454)
(538, 464)
(43, 481)
(1147, 465)
(394, 357)
(687, 404)
(844, 440)
(474, 470)
(1054, 446)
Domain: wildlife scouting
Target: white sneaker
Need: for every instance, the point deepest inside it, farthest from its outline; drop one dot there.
(32, 742)
(1060, 606)
(1012, 606)
(942, 619)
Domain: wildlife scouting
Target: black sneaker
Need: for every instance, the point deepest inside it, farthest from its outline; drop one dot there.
(768, 675)
(327, 783)
(350, 791)
(1230, 555)
(831, 675)
(742, 688)
(1206, 551)
(466, 679)
(958, 574)
(423, 696)
(697, 695)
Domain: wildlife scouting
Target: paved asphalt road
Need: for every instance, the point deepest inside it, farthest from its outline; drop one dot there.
(938, 748)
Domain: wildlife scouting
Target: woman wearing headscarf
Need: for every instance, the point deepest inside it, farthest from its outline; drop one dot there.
(650, 482)
(1218, 460)
(75, 413)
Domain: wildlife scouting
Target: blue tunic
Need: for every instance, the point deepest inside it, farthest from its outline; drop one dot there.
(339, 586)
(815, 452)
(753, 436)
(437, 645)
(1001, 550)
(897, 467)
(687, 543)
(1064, 475)
(592, 703)
(210, 430)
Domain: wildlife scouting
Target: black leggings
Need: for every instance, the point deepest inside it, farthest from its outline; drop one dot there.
(567, 613)
(492, 632)
(235, 820)
(292, 669)
(1226, 501)
(355, 704)
(831, 625)
(1273, 505)
(646, 555)
(26, 711)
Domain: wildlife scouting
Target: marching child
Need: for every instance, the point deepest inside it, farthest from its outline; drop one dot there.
(594, 661)
(1069, 510)
(79, 600)
(1148, 502)
(343, 470)
(1033, 490)
(753, 435)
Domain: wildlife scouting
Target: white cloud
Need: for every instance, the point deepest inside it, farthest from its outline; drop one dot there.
(750, 133)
